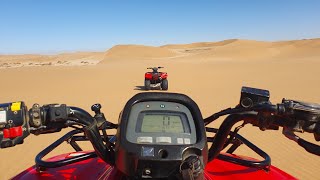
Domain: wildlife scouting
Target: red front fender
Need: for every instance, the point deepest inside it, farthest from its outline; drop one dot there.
(218, 169)
(164, 75)
(97, 169)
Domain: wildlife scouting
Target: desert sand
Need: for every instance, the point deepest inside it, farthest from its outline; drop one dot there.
(212, 73)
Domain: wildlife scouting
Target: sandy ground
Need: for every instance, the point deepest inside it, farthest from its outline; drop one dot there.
(211, 73)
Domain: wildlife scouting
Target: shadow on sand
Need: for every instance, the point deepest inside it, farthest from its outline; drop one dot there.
(140, 88)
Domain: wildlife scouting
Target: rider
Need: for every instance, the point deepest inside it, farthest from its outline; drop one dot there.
(155, 70)
(155, 73)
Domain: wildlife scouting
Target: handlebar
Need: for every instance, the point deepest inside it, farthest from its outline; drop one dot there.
(52, 118)
(293, 116)
(155, 68)
(254, 108)
(159, 67)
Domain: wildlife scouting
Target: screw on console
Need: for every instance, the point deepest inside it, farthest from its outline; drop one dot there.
(35, 114)
(57, 113)
(147, 174)
(147, 171)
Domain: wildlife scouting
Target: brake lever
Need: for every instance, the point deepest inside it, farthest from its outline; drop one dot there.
(308, 146)
(287, 132)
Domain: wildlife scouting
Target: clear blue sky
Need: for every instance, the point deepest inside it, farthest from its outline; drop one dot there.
(43, 26)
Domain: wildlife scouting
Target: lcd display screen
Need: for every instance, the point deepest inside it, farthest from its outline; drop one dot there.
(153, 123)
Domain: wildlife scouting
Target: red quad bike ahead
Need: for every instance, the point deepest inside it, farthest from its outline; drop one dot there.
(155, 79)
(159, 136)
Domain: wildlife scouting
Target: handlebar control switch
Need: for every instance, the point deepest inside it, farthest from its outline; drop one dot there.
(48, 118)
(35, 116)
(58, 112)
(14, 126)
(266, 122)
(302, 116)
(252, 96)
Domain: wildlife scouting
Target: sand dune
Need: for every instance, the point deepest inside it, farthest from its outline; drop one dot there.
(248, 49)
(137, 52)
(224, 50)
(211, 73)
(215, 51)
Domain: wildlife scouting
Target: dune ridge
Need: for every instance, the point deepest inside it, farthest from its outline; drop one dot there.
(138, 51)
(231, 49)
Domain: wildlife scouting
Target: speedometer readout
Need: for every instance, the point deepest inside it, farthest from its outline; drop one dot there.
(153, 123)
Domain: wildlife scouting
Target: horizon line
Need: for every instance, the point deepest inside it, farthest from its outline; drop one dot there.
(54, 53)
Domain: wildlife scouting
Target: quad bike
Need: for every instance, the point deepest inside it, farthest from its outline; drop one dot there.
(159, 136)
(155, 79)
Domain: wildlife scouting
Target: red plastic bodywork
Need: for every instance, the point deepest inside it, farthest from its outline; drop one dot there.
(97, 169)
(218, 169)
(148, 75)
(164, 75)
